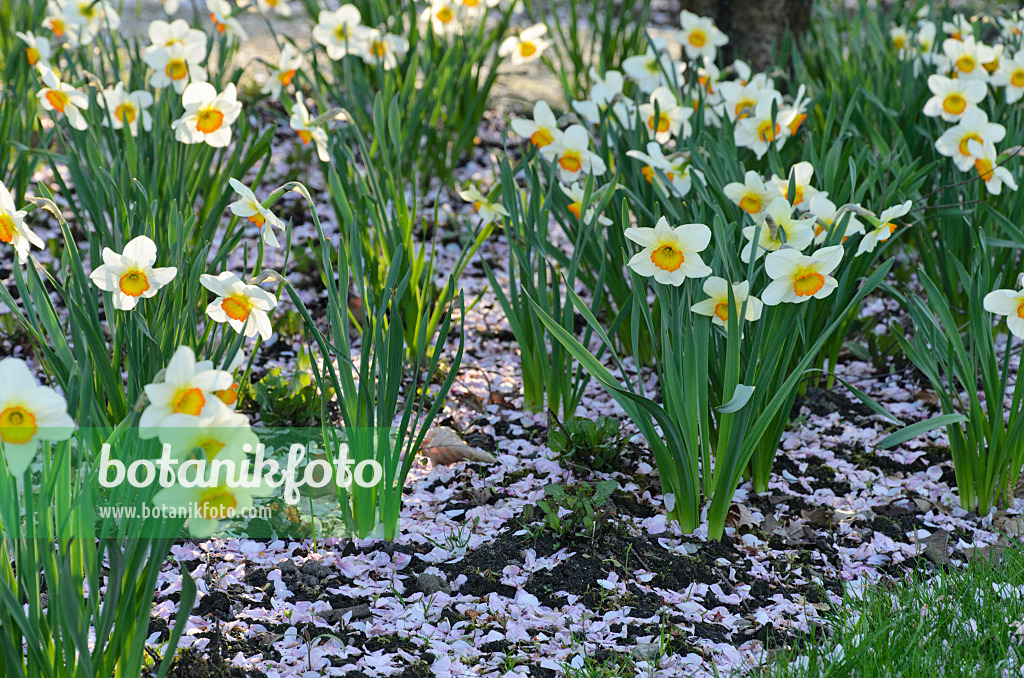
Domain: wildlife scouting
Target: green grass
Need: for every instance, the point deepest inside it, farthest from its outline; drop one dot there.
(960, 622)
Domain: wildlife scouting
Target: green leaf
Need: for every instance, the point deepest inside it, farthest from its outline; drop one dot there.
(740, 397)
(910, 432)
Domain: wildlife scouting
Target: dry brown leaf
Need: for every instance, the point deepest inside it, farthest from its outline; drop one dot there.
(937, 547)
(740, 516)
(821, 516)
(444, 447)
(927, 397)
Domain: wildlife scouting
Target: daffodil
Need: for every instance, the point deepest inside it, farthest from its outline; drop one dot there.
(883, 227)
(188, 388)
(340, 31)
(170, 6)
(208, 115)
(967, 57)
(653, 69)
(443, 17)
(974, 125)
(717, 303)
(953, 97)
(384, 49)
(289, 62)
(175, 65)
(303, 124)
(542, 131)
(574, 155)
(90, 17)
(58, 25)
(127, 108)
(130, 276)
(740, 100)
(759, 130)
(1011, 77)
(898, 36)
(212, 504)
(222, 15)
(800, 175)
(827, 217)
(13, 230)
(991, 172)
(243, 307)
(699, 36)
(525, 47)
(178, 32)
(752, 195)
(577, 196)
(778, 228)
(220, 433)
(29, 413)
(485, 207)
(664, 117)
(606, 94)
(37, 49)
(797, 277)
(676, 169)
(960, 28)
(64, 99)
(670, 255)
(248, 207)
(279, 6)
(1009, 303)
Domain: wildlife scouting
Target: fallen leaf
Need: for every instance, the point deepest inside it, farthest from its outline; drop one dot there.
(444, 447)
(740, 516)
(936, 547)
(927, 397)
(821, 516)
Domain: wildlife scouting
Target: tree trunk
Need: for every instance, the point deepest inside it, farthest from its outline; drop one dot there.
(755, 27)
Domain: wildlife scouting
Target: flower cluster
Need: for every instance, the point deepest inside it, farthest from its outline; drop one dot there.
(967, 72)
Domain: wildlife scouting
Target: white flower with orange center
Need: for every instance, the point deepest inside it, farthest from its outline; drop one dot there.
(953, 97)
(670, 255)
(654, 68)
(130, 276)
(175, 65)
(606, 93)
(898, 35)
(37, 49)
(760, 130)
(1011, 77)
(443, 17)
(341, 31)
(973, 125)
(90, 17)
(243, 307)
(487, 209)
(62, 98)
(187, 389)
(222, 500)
(797, 277)
(127, 108)
(542, 131)
(303, 124)
(289, 62)
(208, 115)
(740, 99)
(29, 413)
(222, 15)
(574, 156)
(577, 196)
(677, 169)
(58, 25)
(987, 165)
(664, 117)
(248, 207)
(1009, 303)
(777, 228)
(383, 49)
(699, 36)
(883, 227)
(960, 28)
(170, 6)
(967, 58)
(218, 434)
(13, 230)
(717, 303)
(800, 175)
(828, 217)
(525, 47)
(752, 195)
(279, 6)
